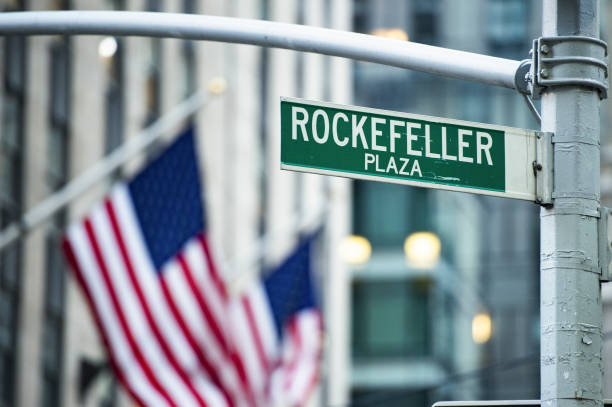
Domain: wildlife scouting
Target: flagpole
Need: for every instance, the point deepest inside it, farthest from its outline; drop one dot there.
(55, 202)
(238, 270)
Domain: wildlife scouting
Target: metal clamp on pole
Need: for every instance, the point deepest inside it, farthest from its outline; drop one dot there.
(543, 168)
(569, 60)
(605, 254)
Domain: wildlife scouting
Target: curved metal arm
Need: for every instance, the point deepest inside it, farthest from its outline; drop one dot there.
(403, 54)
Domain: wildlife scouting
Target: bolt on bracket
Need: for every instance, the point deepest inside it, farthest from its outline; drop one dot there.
(522, 83)
(543, 168)
(605, 252)
(570, 60)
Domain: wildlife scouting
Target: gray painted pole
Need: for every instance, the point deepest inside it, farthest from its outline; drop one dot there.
(571, 310)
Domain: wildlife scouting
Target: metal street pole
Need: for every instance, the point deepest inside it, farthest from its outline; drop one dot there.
(571, 310)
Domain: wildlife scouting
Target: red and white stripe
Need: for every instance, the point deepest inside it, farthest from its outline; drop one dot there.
(279, 375)
(174, 337)
(163, 330)
(254, 335)
(294, 380)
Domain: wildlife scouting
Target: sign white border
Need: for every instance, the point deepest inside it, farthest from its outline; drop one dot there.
(520, 151)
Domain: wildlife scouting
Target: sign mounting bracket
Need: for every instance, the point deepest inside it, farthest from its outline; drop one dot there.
(543, 168)
(605, 252)
(569, 60)
(522, 84)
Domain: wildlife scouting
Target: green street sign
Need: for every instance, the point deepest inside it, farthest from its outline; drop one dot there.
(425, 151)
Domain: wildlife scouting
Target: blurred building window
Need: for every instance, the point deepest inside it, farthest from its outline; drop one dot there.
(153, 66)
(376, 85)
(109, 399)
(300, 89)
(374, 17)
(53, 316)
(188, 51)
(390, 319)
(114, 136)
(390, 397)
(300, 18)
(392, 309)
(114, 94)
(386, 214)
(114, 100)
(11, 191)
(263, 127)
(507, 28)
(360, 16)
(58, 116)
(57, 176)
(425, 22)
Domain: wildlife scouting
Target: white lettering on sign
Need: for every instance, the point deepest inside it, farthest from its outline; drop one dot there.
(445, 155)
(405, 162)
(399, 132)
(378, 164)
(416, 168)
(337, 116)
(428, 152)
(395, 135)
(320, 113)
(358, 131)
(480, 147)
(299, 122)
(412, 137)
(377, 133)
(464, 144)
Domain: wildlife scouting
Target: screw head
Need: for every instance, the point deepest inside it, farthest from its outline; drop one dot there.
(544, 49)
(544, 73)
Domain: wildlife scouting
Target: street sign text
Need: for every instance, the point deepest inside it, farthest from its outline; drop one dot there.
(409, 149)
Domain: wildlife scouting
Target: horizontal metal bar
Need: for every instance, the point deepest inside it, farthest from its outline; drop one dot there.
(577, 38)
(575, 59)
(403, 54)
(589, 83)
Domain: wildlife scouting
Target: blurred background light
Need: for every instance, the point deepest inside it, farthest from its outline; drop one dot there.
(481, 328)
(422, 249)
(355, 250)
(391, 33)
(217, 85)
(107, 47)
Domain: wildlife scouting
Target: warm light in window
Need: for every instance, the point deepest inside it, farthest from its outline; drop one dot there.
(355, 249)
(391, 33)
(107, 47)
(217, 85)
(422, 249)
(481, 328)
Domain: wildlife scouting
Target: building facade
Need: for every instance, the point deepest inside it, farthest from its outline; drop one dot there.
(66, 102)
(396, 333)
(412, 327)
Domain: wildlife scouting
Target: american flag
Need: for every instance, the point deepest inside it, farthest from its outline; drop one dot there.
(173, 333)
